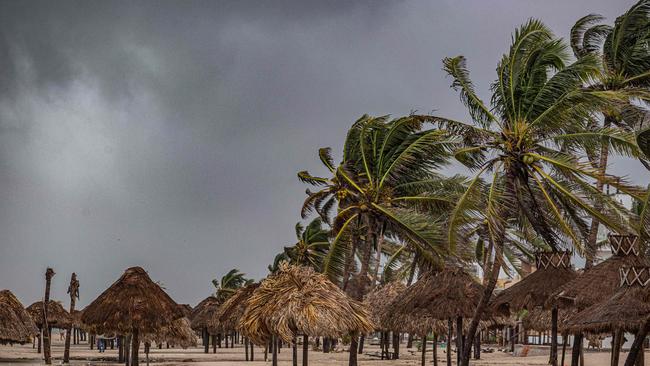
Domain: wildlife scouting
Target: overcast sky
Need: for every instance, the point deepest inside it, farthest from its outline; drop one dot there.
(168, 134)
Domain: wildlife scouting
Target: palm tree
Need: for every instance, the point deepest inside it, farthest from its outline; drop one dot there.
(385, 187)
(229, 283)
(47, 331)
(311, 247)
(524, 145)
(623, 53)
(73, 290)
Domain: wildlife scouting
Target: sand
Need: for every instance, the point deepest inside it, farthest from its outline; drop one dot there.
(82, 355)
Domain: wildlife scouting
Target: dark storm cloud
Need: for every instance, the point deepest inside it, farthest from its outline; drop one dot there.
(168, 134)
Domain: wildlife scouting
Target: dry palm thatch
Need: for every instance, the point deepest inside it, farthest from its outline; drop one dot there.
(203, 312)
(379, 300)
(231, 311)
(57, 316)
(450, 293)
(16, 325)
(295, 300)
(627, 309)
(178, 334)
(186, 309)
(133, 303)
(599, 282)
(553, 270)
(539, 319)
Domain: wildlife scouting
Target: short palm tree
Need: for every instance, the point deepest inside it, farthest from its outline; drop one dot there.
(311, 247)
(523, 148)
(229, 283)
(623, 52)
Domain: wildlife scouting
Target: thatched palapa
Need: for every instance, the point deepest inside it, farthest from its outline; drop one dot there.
(57, 316)
(16, 325)
(379, 300)
(296, 300)
(178, 334)
(133, 303)
(539, 319)
(186, 309)
(202, 314)
(553, 270)
(599, 282)
(627, 309)
(231, 311)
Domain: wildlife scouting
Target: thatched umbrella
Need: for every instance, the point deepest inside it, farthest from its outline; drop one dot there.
(57, 316)
(179, 333)
(438, 296)
(628, 309)
(134, 305)
(599, 282)
(378, 301)
(186, 309)
(554, 269)
(200, 317)
(229, 314)
(296, 300)
(16, 325)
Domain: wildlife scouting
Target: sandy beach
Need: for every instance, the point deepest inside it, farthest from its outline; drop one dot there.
(82, 355)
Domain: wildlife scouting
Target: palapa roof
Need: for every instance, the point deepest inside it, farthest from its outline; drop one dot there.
(203, 312)
(179, 333)
(134, 301)
(296, 299)
(186, 309)
(627, 308)
(379, 300)
(57, 316)
(16, 325)
(229, 314)
(553, 270)
(449, 293)
(599, 282)
(539, 319)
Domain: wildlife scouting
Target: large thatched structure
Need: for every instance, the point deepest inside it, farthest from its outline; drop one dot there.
(540, 319)
(57, 316)
(296, 300)
(16, 325)
(134, 305)
(599, 282)
(178, 334)
(379, 300)
(627, 309)
(203, 312)
(186, 309)
(229, 314)
(553, 270)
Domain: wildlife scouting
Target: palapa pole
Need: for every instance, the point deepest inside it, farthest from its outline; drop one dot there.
(246, 347)
(459, 338)
(274, 350)
(73, 290)
(553, 360)
(577, 346)
(564, 341)
(450, 325)
(424, 350)
(305, 350)
(435, 349)
(395, 346)
(127, 351)
(294, 351)
(616, 346)
(214, 343)
(47, 332)
(637, 345)
(135, 347)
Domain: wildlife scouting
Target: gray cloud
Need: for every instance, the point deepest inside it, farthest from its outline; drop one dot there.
(168, 134)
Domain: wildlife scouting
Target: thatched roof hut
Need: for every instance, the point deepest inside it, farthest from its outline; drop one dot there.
(599, 282)
(186, 309)
(295, 300)
(553, 270)
(16, 325)
(627, 309)
(229, 314)
(539, 319)
(133, 303)
(57, 316)
(178, 334)
(203, 312)
(379, 300)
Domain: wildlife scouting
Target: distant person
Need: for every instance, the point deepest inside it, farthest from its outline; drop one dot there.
(101, 345)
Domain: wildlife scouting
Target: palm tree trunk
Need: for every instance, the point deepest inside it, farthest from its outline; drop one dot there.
(354, 339)
(135, 347)
(637, 345)
(47, 334)
(305, 350)
(72, 290)
(553, 360)
(477, 346)
(485, 299)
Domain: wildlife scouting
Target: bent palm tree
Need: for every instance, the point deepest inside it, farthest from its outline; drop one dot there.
(623, 52)
(229, 283)
(311, 247)
(524, 144)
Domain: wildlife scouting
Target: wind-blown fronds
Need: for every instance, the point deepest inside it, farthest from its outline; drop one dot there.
(298, 300)
(57, 316)
(16, 325)
(133, 302)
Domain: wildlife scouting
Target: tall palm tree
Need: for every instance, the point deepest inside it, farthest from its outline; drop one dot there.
(623, 52)
(311, 247)
(385, 186)
(73, 290)
(47, 331)
(525, 144)
(229, 283)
